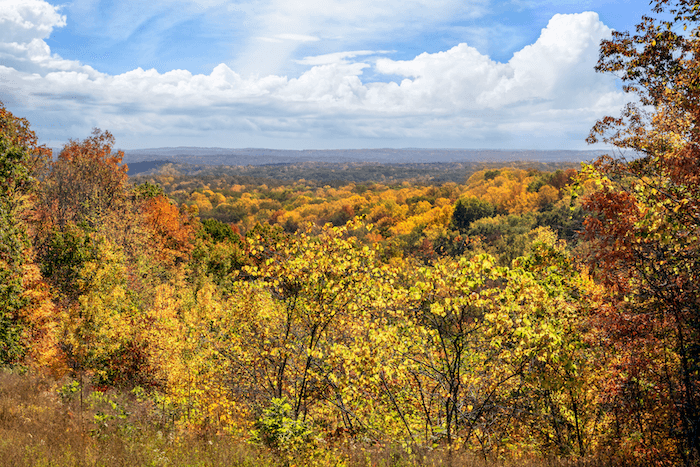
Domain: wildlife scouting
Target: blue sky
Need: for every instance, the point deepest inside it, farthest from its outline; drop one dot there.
(312, 73)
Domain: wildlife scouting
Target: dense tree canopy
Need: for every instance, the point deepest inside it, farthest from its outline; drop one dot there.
(425, 317)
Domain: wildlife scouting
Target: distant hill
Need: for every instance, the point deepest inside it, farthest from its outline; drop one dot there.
(253, 156)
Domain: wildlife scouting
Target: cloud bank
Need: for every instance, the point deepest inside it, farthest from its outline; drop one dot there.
(546, 96)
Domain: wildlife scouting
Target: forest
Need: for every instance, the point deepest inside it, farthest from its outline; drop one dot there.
(523, 315)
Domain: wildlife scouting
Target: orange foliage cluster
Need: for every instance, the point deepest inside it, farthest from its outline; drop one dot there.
(172, 229)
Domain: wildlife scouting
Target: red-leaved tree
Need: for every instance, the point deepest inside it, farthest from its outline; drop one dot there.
(645, 234)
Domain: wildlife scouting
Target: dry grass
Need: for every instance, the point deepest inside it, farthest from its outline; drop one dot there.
(388, 457)
(40, 427)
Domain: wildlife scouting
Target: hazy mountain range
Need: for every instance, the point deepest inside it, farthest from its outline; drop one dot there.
(254, 156)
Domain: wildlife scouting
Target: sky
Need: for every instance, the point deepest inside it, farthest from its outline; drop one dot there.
(313, 74)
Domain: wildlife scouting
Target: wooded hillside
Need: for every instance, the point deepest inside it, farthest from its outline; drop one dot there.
(520, 314)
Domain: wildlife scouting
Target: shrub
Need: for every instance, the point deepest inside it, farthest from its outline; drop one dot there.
(277, 428)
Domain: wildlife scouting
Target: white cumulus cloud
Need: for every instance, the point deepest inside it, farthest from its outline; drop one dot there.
(23, 21)
(558, 67)
(545, 94)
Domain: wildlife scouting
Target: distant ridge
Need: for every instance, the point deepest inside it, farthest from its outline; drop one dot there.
(261, 156)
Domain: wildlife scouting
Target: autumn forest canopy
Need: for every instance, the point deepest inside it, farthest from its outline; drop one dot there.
(522, 313)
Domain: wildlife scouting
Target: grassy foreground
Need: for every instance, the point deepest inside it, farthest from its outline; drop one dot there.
(44, 423)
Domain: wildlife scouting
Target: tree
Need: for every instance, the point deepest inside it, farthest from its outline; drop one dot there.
(219, 251)
(18, 134)
(496, 354)
(317, 287)
(14, 179)
(83, 188)
(171, 229)
(85, 183)
(21, 160)
(103, 247)
(645, 231)
(469, 210)
(449, 304)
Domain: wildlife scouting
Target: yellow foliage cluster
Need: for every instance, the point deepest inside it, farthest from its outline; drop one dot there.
(398, 210)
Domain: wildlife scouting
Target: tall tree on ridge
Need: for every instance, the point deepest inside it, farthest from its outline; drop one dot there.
(646, 231)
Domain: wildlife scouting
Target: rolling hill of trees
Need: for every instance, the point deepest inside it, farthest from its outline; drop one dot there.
(521, 314)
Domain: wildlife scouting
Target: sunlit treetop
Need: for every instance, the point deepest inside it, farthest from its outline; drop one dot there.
(662, 53)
